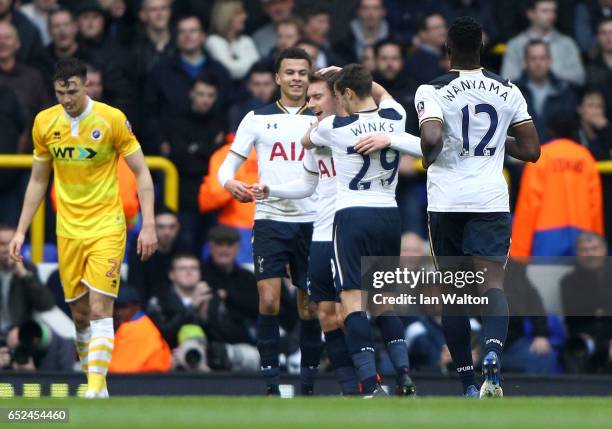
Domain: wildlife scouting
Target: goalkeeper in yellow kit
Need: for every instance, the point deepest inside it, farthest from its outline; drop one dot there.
(82, 140)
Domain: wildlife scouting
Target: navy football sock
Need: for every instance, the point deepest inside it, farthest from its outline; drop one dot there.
(268, 339)
(392, 331)
(361, 348)
(341, 361)
(495, 321)
(310, 349)
(457, 332)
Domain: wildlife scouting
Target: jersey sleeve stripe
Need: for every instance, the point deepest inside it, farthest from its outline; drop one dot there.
(240, 155)
(131, 152)
(431, 119)
(43, 158)
(311, 172)
(524, 121)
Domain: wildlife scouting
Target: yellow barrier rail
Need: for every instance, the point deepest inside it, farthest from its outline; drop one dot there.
(37, 230)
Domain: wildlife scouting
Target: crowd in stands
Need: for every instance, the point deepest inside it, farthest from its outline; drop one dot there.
(185, 72)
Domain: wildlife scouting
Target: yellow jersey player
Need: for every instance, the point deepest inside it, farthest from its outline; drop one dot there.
(82, 140)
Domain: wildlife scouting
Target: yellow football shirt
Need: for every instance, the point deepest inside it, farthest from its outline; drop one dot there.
(85, 151)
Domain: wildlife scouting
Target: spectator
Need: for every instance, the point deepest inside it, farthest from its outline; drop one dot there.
(26, 81)
(150, 278)
(261, 88)
(510, 17)
(213, 197)
(599, 69)
(316, 29)
(102, 51)
(587, 17)
(189, 300)
(190, 140)
(171, 80)
(595, 132)
(21, 290)
(39, 348)
(139, 346)
(481, 10)
(565, 56)
(154, 42)
(368, 59)
(30, 49)
(390, 73)
(311, 48)
(235, 285)
(370, 26)
(530, 351)
(95, 84)
(14, 139)
(38, 13)
(276, 10)
(560, 196)
(227, 44)
(586, 297)
(545, 92)
(425, 63)
(63, 29)
(403, 17)
(288, 32)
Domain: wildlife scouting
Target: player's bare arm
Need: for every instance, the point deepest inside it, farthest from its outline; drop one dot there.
(35, 192)
(147, 239)
(524, 144)
(431, 141)
(240, 191)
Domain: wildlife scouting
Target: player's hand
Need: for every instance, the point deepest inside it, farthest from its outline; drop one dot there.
(260, 191)
(540, 346)
(147, 242)
(239, 190)
(330, 69)
(15, 247)
(372, 143)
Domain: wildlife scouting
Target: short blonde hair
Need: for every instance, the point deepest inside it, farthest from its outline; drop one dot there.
(223, 13)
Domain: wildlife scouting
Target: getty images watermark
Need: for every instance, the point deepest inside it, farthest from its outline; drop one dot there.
(399, 278)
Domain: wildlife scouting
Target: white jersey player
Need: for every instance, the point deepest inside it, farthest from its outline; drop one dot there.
(283, 228)
(465, 117)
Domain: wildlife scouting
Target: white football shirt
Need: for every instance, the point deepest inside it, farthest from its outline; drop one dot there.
(320, 161)
(363, 180)
(276, 135)
(476, 108)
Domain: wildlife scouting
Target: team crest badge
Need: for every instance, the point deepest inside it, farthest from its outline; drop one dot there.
(96, 134)
(420, 108)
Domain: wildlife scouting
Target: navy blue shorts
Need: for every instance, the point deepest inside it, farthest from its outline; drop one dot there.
(470, 234)
(363, 231)
(278, 244)
(320, 273)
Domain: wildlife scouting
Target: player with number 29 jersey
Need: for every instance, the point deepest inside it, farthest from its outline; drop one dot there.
(363, 180)
(476, 108)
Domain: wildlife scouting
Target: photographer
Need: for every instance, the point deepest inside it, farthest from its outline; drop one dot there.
(34, 346)
(21, 292)
(191, 301)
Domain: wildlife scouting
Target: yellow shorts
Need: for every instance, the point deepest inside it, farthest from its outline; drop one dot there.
(91, 264)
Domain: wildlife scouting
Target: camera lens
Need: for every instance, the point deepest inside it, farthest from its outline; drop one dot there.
(193, 357)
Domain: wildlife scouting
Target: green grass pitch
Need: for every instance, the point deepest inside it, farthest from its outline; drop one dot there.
(324, 412)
